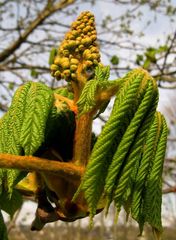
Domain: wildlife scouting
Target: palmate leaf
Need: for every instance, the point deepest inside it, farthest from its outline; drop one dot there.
(22, 131)
(153, 193)
(22, 127)
(123, 110)
(117, 157)
(38, 104)
(139, 181)
(132, 143)
(10, 130)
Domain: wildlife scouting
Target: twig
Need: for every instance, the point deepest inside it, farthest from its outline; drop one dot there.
(68, 170)
(46, 12)
(169, 190)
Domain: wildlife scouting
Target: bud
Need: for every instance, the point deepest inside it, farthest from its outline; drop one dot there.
(57, 74)
(81, 47)
(73, 76)
(73, 67)
(86, 54)
(78, 51)
(54, 67)
(74, 61)
(65, 63)
(57, 60)
(86, 41)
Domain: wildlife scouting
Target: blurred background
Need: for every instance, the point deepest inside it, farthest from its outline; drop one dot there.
(130, 34)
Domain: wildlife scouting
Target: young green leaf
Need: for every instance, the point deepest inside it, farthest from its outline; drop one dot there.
(11, 204)
(39, 101)
(52, 55)
(10, 131)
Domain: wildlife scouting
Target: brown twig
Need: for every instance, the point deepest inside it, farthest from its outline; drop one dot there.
(169, 190)
(45, 13)
(30, 163)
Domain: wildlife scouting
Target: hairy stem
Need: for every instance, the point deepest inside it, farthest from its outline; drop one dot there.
(82, 140)
(30, 163)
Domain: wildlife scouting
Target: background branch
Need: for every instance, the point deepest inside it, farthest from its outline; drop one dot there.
(46, 12)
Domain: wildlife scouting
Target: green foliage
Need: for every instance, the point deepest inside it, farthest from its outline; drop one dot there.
(89, 98)
(126, 162)
(10, 131)
(39, 101)
(11, 204)
(121, 155)
(34, 73)
(52, 55)
(151, 56)
(22, 131)
(114, 60)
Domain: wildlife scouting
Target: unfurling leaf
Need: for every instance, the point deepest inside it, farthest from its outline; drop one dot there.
(119, 155)
(97, 92)
(39, 101)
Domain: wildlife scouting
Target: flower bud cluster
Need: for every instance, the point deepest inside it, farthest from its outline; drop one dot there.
(79, 52)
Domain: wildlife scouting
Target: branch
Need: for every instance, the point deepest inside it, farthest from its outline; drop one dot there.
(23, 66)
(45, 13)
(30, 163)
(169, 190)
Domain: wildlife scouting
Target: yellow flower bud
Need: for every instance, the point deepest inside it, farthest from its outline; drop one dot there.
(66, 73)
(79, 39)
(85, 19)
(95, 62)
(79, 50)
(90, 22)
(73, 76)
(93, 32)
(82, 26)
(89, 14)
(75, 33)
(57, 74)
(73, 67)
(93, 37)
(88, 63)
(66, 53)
(74, 61)
(65, 63)
(86, 41)
(74, 25)
(57, 60)
(54, 67)
(87, 29)
(95, 56)
(81, 47)
(86, 53)
(94, 49)
(71, 44)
